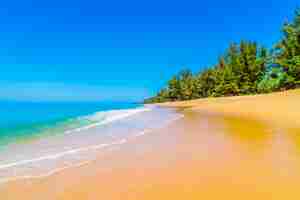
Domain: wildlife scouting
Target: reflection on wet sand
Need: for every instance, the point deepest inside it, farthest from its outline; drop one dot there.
(201, 156)
(254, 135)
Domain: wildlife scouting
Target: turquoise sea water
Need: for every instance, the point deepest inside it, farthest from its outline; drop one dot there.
(26, 120)
(40, 139)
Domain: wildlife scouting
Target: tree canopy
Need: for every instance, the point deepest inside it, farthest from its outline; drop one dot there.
(245, 68)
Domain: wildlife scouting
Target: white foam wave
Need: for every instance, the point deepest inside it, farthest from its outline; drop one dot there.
(74, 151)
(58, 155)
(61, 154)
(106, 117)
(77, 150)
(52, 172)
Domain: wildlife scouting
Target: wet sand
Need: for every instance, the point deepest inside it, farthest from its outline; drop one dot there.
(216, 152)
(280, 107)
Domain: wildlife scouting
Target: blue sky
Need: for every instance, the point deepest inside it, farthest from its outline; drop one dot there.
(121, 50)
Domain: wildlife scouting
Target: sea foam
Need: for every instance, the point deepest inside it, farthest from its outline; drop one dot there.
(98, 119)
(106, 117)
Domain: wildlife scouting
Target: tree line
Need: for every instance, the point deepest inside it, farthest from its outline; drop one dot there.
(245, 68)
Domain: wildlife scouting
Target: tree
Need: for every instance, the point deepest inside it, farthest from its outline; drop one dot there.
(237, 72)
(287, 52)
(186, 85)
(245, 68)
(205, 83)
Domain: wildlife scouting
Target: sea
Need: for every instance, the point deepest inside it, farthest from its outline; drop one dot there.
(38, 139)
(26, 120)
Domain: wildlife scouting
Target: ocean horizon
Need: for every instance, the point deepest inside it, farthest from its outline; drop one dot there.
(23, 120)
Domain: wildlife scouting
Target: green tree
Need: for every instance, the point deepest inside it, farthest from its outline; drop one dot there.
(205, 83)
(186, 85)
(245, 68)
(287, 52)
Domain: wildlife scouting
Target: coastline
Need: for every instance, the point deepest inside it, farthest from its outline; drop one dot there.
(213, 152)
(38, 158)
(279, 107)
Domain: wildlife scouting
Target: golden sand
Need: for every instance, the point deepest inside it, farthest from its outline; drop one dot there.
(281, 107)
(226, 148)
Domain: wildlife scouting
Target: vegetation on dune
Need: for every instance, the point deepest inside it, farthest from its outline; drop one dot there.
(245, 68)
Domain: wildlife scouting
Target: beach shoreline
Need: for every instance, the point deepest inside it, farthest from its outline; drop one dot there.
(278, 107)
(38, 158)
(215, 151)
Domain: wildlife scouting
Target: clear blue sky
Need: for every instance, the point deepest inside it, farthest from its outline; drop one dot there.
(121, 50)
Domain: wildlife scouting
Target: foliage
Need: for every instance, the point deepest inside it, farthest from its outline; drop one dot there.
(245, 68)
(287, 52)
(272, 81)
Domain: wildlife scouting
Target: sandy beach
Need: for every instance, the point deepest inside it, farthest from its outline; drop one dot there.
(281, 107)
(224, 148)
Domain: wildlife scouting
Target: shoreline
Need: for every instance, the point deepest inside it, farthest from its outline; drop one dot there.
(279, 107)
(68, 125)
(103, 146)
(79, 147)
(209, 153)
